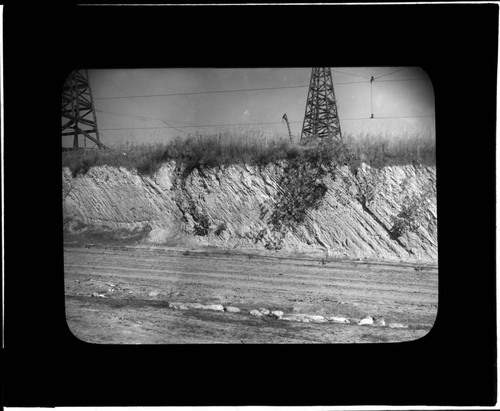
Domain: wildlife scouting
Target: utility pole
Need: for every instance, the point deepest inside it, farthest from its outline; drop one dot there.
(78, 110)
(321, 121)
(288, 126)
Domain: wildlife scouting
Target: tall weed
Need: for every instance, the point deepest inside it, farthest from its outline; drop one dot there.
(208, 151)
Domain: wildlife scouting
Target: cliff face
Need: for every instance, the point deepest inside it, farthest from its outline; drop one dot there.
(342, 213)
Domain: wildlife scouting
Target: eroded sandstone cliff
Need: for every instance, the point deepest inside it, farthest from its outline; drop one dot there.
(341, 212)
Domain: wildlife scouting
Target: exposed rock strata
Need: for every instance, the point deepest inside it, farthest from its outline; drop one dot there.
(232, 206)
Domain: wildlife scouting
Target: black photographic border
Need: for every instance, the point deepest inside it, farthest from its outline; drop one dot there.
(455, 364)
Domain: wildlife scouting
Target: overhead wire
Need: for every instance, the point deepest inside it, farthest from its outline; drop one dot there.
(144, 118)
(349, 74)
(200, 92)
(242, 90)
(404, 79)
(193, 125)
(204, 125)
(219, 91)
(261, 123)
(159, 119)
(392, 72)
(391, 117)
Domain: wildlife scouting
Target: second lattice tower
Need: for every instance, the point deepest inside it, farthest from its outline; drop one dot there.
(321, 121)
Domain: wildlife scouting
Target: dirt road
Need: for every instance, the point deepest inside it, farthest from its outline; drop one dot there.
(140, 294)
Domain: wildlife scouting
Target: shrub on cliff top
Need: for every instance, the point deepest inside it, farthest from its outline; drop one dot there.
(202, 152)
(145, 158)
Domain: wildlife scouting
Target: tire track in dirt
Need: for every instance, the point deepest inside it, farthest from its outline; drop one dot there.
(149, 252)
(259, 271)
(348, 289)
(303, 282)
(249, 289)
(208, 277)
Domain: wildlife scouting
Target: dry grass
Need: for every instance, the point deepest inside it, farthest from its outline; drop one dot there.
(253, 148)
(380, 150)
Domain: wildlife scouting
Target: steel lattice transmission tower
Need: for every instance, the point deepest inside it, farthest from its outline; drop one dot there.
(321, 121)
(78, 113)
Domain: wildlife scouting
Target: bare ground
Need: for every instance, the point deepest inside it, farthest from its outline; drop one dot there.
(123, 295)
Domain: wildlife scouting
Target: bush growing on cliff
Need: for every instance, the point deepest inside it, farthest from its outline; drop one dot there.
(200, 219)
(302, 187)
(201, 226)
(220, 229)
(412, 215)
(365, 185)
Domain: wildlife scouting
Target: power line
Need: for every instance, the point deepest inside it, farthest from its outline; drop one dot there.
(385, 118)
(125, 115)
(200, 92)
(256, 124)
(196, 125)
(392, 72)
(175, 128)
(403, 79)
(349, 74)
(192, 125)
(403, 117)
(141, 117)
(220, 91)
(202, 125)
(137, 104)
(242, 90)
(351, 82)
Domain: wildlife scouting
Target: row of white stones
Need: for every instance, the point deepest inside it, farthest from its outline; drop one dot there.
(304, 318)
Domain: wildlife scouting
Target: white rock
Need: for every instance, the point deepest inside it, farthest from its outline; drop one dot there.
(264, 311)
(257, 313)
(397, 325)
(380, 322)
(178, 306)
(195, 305)
(277, 313)
(232, 309)
(301, 318)
(98, 295)
(342, 320)
(304, 318)
(214, 307)
(153, 293)
(366, 321)
(316, 318)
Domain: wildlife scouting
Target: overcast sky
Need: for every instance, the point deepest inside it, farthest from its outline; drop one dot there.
(395, 92)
